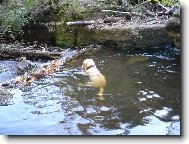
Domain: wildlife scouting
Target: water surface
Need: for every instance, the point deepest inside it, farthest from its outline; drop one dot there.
(142, 97)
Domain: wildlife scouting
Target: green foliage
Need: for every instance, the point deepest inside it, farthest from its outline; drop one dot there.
(15, 14)
(71, 10)
(11, 19)
(163, 2)
(107, 4)
(137, 7)
(167, 2)
(171, 2)
(112, 2)
(2, 47)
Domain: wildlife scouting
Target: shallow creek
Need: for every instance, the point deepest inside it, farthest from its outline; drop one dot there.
(142, 97)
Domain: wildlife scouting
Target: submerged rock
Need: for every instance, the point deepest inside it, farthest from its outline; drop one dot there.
(135, 59)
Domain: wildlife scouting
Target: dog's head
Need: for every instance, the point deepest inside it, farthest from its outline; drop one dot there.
(88, 63)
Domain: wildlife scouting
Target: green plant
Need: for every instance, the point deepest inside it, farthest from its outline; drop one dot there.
(107, 1)
(71, 10)
(170, 2)
(15, 14)
(167, 2)
(107, 4)
(2, 47)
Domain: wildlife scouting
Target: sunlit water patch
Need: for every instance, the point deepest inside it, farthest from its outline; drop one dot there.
(142, 97)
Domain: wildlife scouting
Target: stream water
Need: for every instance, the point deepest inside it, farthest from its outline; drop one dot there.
(142, 97)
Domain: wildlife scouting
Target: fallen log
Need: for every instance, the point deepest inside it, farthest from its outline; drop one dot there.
(15, 52)
(147, 12)
(80, 23)
(170, 11)
(48, 68)
(128, 13)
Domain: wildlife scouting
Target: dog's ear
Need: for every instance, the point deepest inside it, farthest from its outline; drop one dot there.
(84, 65)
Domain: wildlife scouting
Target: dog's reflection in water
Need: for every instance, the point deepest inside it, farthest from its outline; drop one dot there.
(97, 80)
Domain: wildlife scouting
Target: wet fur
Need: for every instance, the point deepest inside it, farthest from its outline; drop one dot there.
(97, 80)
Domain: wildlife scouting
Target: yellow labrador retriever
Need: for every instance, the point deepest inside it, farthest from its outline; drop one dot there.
(97, 80)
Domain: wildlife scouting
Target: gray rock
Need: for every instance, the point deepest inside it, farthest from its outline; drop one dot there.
(5, 96)
(173, 28)
(24, 65)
